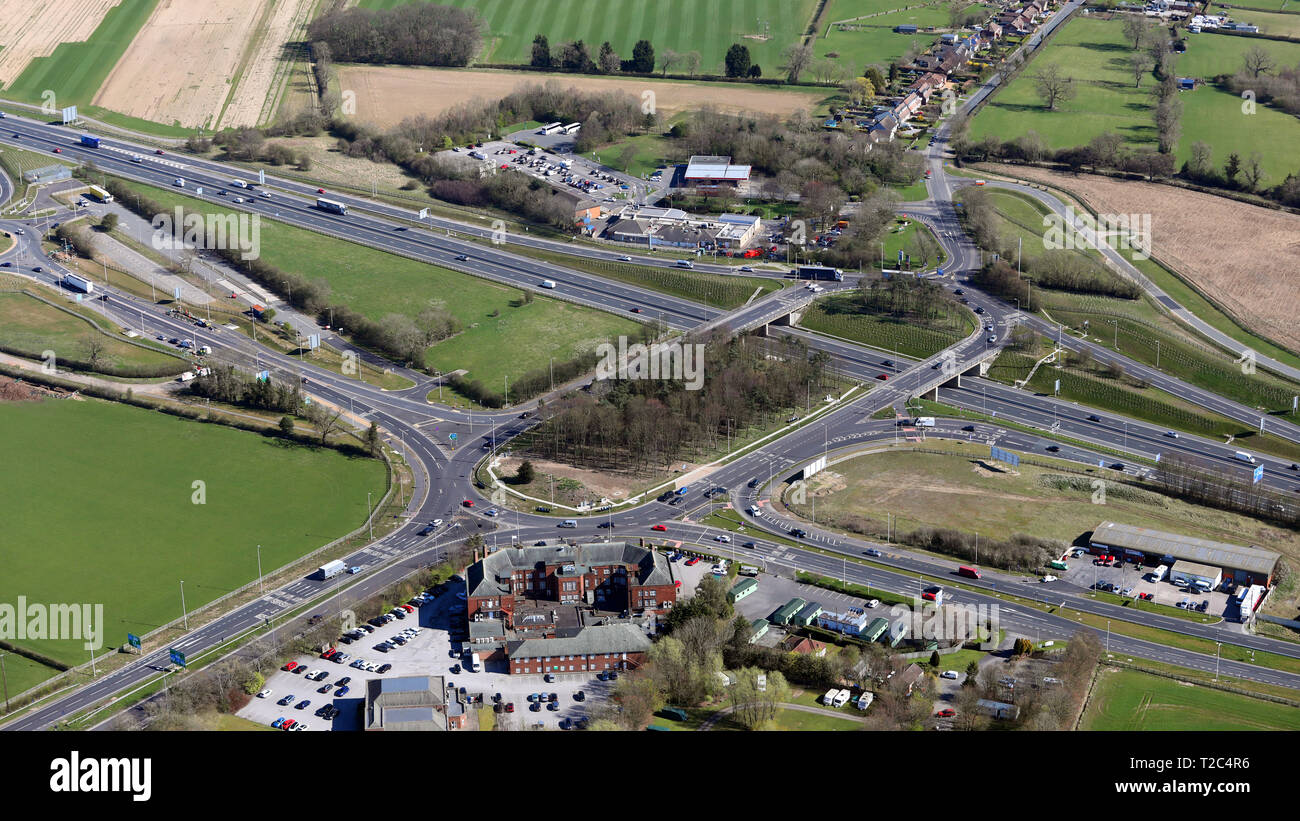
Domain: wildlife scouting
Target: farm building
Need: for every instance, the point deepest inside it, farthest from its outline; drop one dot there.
(906, 28)
(1244, 565)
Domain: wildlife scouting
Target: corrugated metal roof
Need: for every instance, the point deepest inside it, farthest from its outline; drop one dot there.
(1189, 548)
(1194, 569)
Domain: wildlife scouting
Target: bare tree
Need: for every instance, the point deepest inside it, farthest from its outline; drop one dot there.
(94, 345)
(669, 58)
(1139, 62)
(1136, 30)
(1252, 171)
(1054, 86)
(795, 60)
(692, 60)
(1199, 161)
(1258, 61)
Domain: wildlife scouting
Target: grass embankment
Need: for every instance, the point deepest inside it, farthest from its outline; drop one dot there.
(718, 290)
(841, 315)
(1125, 699)
(30, 327)
(493, 317)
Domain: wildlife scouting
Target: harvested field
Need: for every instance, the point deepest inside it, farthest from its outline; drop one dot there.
(386, 95)
(268, 66)
(180, 67)
(32, 28)
(1243, 257)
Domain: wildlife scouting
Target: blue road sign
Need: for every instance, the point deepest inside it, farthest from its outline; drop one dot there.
(451, 436)
(998, 454)
(1258, 475)
(133, 640)
(177, 657)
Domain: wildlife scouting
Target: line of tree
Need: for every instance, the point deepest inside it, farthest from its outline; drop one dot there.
(575, 56)
(397, 336)
(1222, 486)
(638, 423)
(416, 34)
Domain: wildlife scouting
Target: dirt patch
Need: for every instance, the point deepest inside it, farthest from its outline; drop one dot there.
(573, 485)
(328, 164)
(827, 482)
(386, 95)
(1243, 257)
(32, 28)
(13, 390)
(985, 469)
(180, 67)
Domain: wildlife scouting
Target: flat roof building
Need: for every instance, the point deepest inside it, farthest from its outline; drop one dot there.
(704, 170)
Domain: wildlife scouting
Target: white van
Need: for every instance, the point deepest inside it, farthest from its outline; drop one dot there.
(685, 263)
(178, 182)
(1244, 456)
(548, 283)
(475, 664)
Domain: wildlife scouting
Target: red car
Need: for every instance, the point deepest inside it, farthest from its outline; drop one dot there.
(660, 528)
(289, 668)
(510, 706)
(288, 725)
(882, 376)
(694, 560)
(329, 651)
(468, 503)
(408, 608)
(58, 151)
(320, 190)
(946, 712)
(158, 151)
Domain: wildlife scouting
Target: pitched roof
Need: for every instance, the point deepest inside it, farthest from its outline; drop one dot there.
(491, 575)
(605, 638)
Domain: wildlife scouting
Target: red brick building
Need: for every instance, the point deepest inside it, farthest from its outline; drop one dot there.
(610, 576)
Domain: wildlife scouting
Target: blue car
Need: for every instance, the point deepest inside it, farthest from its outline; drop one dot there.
(341, 692)
(276, 724)
(286, 700)
(302, 705)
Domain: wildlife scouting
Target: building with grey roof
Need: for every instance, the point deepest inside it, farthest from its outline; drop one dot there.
(1244, 565)
(597, 648)
(406, 703)
(706, 171)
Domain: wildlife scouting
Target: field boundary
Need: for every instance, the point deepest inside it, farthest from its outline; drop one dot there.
(1182, 279)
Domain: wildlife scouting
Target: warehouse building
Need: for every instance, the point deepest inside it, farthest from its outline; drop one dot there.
(1241, 564)
(706, 172)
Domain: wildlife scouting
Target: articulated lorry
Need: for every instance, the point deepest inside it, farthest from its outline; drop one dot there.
(89, 141)
(329, 571)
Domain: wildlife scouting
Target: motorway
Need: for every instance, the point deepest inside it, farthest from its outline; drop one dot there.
(443, 475)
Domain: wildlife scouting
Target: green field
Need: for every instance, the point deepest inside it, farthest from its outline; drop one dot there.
(1094, 52)
(681, 25)
(107, 512)
(1132, 700)
(942, 490)
(75, 71)
(837, 316)
(799, 720)
(31, 327)
(376, 284)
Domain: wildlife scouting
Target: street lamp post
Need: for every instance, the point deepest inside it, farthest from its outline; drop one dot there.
(184, 613)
